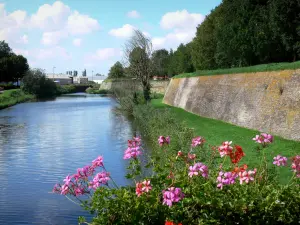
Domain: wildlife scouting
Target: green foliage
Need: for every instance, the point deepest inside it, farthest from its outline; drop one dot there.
(160, 60)
(97, 91)
(12, 66)
(12, 97)
(241, 33)
(36, 83)
(250, 69)
(116, 71)
(66, 89)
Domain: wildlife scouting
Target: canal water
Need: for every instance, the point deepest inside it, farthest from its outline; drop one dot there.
(42, 142)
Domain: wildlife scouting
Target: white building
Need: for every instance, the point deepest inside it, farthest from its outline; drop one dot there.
(60, 78)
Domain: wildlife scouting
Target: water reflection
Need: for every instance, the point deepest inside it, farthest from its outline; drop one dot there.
(41, 142)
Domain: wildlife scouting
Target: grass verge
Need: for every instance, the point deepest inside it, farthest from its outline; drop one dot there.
(215, 132)
(250, 69)
(11, 97)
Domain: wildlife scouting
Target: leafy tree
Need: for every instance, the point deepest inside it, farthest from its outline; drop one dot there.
(35, 82)
(5, 50)
(182, 59)
(160, 60)
(116, 71)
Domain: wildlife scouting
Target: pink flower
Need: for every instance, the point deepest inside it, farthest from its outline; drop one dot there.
(135, 142)
(65, 189)
(132, 152)
(247, 176)
(296, 165)
(142, 187)
(263, 139)
(97, 162)
(225, 148)
(100, 178)
(163, 140)
(197, 141)
(226, 178)
(172, 195)
(147, 186)
(198, 168)
(179, 153)
(67, 180)
(56, 188)
(79, 191)
(280, 160)
(191, 156)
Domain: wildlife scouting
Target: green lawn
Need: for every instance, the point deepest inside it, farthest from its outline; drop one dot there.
(215, 132)
(12, 97)
(250, 69)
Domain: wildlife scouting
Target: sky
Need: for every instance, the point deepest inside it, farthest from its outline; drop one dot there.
(90, 34)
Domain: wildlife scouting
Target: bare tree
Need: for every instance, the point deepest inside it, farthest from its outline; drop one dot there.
(137, 55)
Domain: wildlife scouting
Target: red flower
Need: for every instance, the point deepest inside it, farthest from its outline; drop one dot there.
(237, 154)
(172, 223)
(240, 169)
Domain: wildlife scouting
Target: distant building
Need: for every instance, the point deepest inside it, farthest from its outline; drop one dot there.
(80, 80)
(61, 79)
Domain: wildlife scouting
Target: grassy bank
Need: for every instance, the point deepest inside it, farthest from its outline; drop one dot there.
(97, 91)
(250, 69)
(11, 97)
(215, 132)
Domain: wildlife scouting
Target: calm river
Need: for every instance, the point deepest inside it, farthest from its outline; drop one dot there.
(42, 142)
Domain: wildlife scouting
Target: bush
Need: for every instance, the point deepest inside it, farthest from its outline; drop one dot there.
(96, 91)
(66, 89)
(190, 183)
(36, 83)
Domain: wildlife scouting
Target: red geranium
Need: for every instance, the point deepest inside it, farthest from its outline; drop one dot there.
(237, 154)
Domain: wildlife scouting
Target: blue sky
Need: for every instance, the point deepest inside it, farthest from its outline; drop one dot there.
(90, 34)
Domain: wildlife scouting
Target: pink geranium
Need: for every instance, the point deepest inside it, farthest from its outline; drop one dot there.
(100, 179)
(142, 187)
(132, 152)
(225, 148)
(172, 195)
(97, 162)
(263, 139)
(247, 176)
(280, 160)
(296, 165)
(197, 169)
(197, 141)
(163, 140)
(226, 178)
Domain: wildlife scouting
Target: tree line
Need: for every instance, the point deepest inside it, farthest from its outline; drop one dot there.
(236, 33)
(12, 66)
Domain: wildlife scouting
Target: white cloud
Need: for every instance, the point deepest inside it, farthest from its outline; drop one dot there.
(21, 52)
(181, 20)
(81, 24)
(133, 14)
(183, 26)
(77, 42)
(123, 32)
(53, 38)
(105, 54)
(49, 53)
(23, 39)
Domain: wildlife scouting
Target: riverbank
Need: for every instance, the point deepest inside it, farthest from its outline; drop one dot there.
(14, 96)
(216, 132)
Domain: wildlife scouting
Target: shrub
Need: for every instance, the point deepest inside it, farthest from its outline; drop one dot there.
(96, 91)
(36, 83)
(66, 89)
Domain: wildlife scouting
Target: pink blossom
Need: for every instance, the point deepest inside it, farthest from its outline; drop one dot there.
(198, 168)
(135, 142)
(172, 195)
(163, 140)
(247, 176)
(225, 148)
(147, 186)
(179, 153)
(197, 141)
(296, 165)
(67, 180)
(98, 162)
(100, 178)
(191, 156)
(65, 189)
(132, 152)
(226, 178)
(263, 139)
(280, 160)
(56, 188)
(142, 187)
(79, 191)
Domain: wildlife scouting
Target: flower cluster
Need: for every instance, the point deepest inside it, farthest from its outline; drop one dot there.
(198, 168)
(172, 223)
(197, 141)
(236, 154)
(225, 148)
(296, 165)
(163, 140)
(77, 184)
(247, 176)
(133, 149)
(280, 160)
(100, 178)
(226, 178)
(142, 187)
(263, 139)
(173, 194)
